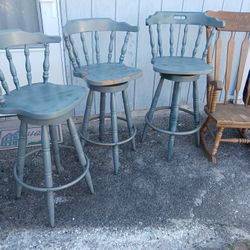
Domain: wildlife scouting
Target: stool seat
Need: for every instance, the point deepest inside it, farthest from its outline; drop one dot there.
(177, 65)
(107, 74)
(48, 101)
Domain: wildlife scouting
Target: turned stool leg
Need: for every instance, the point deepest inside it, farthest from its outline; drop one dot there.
(128, 116)
(173, 119)
(79, 150)
(114, 132)
(55, 147)
(21, 155)
(86, 117)
(48, 174)
(102, 115)
(153, 106)
(196, 112)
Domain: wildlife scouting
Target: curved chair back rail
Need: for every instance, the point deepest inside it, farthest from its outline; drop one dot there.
(199, 19)
(18, 38)
(95, 25)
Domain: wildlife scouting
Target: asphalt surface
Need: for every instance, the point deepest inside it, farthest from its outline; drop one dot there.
(188, 203)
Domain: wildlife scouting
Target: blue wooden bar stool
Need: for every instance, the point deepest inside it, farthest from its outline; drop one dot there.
(41, 103)
(107, 77)
(178, 68)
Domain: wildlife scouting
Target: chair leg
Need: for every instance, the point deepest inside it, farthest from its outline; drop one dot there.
(78, 147)
(114, 132)
(203, 131)
(87, 114)
(152, 107)
(21, 155)
(216, 144)
(196, 112)
(128, 116)
(173, 119)
(102, 116)
(55, 147)
(48, 174)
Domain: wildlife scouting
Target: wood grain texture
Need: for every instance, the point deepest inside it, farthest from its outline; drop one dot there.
(232, 116)
(106, 74)
(228, 114)
(42, 101)
(233, 21)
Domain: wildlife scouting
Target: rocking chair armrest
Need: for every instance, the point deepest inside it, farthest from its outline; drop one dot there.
(215, 88)
(218, 85)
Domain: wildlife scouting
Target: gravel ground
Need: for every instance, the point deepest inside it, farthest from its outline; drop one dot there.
(188, 203)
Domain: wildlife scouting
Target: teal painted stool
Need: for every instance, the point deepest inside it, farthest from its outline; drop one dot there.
(42, 103)
(105, 78)
(178, 69)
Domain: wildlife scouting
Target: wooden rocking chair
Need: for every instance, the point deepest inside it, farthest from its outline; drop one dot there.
(231, 113)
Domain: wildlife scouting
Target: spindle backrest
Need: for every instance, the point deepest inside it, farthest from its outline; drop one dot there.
(236, 23)
(94, 25)
(161, 18)
(10, 39)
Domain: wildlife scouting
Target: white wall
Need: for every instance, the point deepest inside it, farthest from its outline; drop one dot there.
(135, 12)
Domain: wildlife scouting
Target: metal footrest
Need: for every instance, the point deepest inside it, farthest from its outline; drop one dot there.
(44, 189)
(97, 117)
(189, 132)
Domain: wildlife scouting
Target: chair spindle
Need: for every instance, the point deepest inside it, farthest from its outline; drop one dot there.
(152, 43)
(27, 64)
(111, 46)
(124, 47)
(46, 63)
(230, 51)
(243, 58)
(159, 40)
(218, 56)
(171, 40)
(184, 40)
(12, 68)
(97, 47)
(71, 40)
(70, 52)
(209, 40)
(84, 47)
(4, 83)
(198, 40)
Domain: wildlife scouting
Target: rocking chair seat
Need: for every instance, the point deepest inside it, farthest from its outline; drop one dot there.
(232, 116)
(42, 101)
(107, 74)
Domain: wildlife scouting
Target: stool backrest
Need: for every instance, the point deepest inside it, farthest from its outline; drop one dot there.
(21, 40)
(237, 29)
(163, 18)
(94, 26)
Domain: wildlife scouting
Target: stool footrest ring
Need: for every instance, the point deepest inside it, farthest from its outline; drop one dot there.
(189, 132)
(45, 189)
(96, 117)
